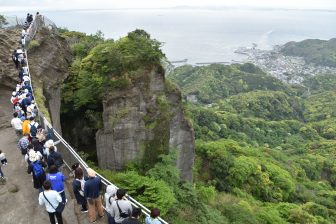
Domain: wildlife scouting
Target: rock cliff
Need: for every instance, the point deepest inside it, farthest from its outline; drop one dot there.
(143, 121)
(49, 60)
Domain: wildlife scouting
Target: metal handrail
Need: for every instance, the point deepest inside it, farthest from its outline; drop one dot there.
(135, 203)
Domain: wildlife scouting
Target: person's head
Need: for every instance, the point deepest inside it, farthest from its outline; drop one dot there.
(30, 146)
(15, 114)
(0, 151)
(75, 166)
(47, 185)
(120, 193)
(91, 172)
(51, 149)
(111, 190)
(37, 13)
(155, 212)
(14, 93)
(136, 213)
(49, 143)
(32, 118)
(26, 134)
(79, 173)
(53, 169)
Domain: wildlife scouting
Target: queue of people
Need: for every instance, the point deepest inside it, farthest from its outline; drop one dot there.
(45, 163)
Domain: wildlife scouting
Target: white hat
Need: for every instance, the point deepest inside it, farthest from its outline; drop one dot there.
(32, 156)
(26, 90)
(13, 93)
(49, 143)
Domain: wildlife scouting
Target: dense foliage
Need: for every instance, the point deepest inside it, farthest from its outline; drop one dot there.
(267, 147)
(319, 52)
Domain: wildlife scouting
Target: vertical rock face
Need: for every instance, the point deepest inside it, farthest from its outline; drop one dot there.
(49, 62)
(143, 121)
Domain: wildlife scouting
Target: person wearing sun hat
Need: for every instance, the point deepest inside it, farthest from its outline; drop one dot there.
(36, 169)
(91, 192)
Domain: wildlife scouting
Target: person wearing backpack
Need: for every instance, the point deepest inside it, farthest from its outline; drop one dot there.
(33, 126)
(110, 197)
(121, 208)
(91, 192)
(23, 144)
(36, 168)
(51, 199)
(78, 188)
(57, 179)
(153, 218)
(54, 158)
(134, 218)
(31, 149)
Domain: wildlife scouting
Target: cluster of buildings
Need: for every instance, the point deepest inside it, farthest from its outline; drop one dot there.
(286, 68)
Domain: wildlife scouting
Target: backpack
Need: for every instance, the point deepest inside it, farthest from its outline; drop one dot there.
(23, 150)
(33, 130)
(122, 214)
(37, 169)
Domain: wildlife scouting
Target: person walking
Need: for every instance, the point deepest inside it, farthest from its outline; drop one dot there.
(91, 192)
(55, 158)
(35, 167)
(57, 179)
(78, 188)
(153, 218)
(3, 161)
(110, 197)
(17, 124)
(23, 144)
(134, 219)
(121, 208)
(51, 199)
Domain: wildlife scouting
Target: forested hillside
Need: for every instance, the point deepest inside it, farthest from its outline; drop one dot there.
(318, 52)
(266, 147)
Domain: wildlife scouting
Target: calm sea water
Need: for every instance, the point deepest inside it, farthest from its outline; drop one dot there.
(204, 35)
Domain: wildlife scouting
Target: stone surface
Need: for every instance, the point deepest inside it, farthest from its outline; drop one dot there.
(136, 117)
(49, 63)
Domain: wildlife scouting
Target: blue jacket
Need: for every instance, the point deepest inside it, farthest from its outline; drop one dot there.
(57, 181)
(92, 187)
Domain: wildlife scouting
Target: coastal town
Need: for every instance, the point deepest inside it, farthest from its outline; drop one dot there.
(290, 69)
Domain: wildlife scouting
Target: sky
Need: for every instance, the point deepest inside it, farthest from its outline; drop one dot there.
(24, 5)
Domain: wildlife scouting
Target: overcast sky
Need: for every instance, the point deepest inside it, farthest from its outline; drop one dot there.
(16, 5)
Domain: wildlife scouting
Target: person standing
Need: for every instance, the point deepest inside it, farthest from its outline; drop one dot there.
(51, 199)
(78, 188)
(121, 208)
(57, 179)
(23, 144)
(134, 219)
(153, 218)
(36, 168)
(91, 192)
(110, 197)
(17, 124)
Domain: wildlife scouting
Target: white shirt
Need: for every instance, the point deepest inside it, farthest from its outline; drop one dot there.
(53, 197)
(16, 123)
(25, 70)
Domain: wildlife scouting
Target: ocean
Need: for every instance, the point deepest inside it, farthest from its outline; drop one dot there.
(203, 35)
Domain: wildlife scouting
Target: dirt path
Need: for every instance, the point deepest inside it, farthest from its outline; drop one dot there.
(21, 206)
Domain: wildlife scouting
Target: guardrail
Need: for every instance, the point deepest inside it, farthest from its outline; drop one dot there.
(70, 155)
